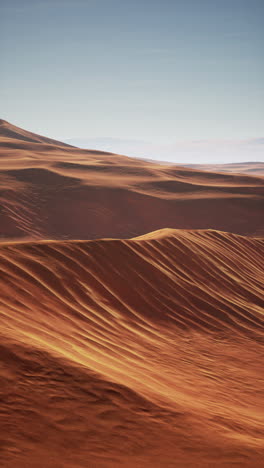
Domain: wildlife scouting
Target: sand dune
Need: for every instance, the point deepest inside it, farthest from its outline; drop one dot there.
(10, 133)
(51, 190)
(252, 168)
(127, 353)
(135, 353)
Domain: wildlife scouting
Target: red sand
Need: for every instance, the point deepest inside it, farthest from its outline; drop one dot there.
(137, 353)
(50, 190)
(132, 353)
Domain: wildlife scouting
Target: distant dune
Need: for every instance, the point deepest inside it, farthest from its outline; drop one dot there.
(133, 353)
(252, 168)
(51, 190)
(192, 153)
(128, 349)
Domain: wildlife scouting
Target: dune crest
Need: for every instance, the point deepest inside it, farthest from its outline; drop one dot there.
(128, 352)
(51, 190)
(9, 133)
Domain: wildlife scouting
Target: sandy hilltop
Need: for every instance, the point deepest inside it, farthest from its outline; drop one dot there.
(52, 190)
(131, 311)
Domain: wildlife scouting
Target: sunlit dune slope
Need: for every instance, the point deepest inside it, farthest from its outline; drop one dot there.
(51, 190)
(9, 134)
(136, 353)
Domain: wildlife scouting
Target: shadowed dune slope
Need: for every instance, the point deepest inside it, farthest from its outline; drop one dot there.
(136, 353)
(51, 190)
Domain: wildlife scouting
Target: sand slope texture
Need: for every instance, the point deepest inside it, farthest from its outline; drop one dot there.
(132, 353)
(52, 190)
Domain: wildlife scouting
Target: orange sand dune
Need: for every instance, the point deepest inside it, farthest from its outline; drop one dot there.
(51, 190)
(10, 133)
(133, 353)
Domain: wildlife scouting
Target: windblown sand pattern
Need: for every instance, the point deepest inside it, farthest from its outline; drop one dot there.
(136, 353)
(52, 190)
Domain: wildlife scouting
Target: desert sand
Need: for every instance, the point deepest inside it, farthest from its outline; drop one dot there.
(145, 352)
(53, 191)
(140, 350)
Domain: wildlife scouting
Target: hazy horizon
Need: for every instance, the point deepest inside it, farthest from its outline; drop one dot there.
(183, 152)
(161, 73)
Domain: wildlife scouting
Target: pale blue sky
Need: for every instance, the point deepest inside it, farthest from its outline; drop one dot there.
(157, 70)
